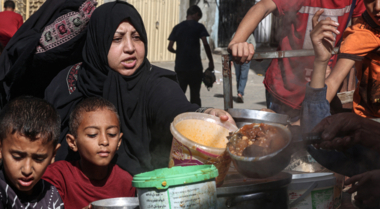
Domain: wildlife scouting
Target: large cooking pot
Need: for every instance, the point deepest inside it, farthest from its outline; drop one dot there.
(240, 192)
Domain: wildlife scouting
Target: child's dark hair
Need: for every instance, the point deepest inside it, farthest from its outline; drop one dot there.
(9, 4)
(193, 10)
(30, 117)
(88, 105)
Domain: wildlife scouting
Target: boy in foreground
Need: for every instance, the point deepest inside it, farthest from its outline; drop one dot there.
(29, 141)
(95, 134)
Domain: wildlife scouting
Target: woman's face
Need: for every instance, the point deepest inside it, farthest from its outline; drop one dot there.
(127, 50)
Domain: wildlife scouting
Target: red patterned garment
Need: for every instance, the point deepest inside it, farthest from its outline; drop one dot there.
(286, 78)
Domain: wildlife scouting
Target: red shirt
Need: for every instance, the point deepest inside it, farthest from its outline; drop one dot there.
(10, 22)
(77, 191)
(286, 78)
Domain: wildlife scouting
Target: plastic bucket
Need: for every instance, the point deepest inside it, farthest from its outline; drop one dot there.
(178, 187)
(312, 190)
(185, 152)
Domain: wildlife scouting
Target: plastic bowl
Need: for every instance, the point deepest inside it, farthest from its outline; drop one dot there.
(185, 152)
(264, 166)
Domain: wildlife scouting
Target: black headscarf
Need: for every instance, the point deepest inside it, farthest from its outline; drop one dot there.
(22, 70)
(96, 78)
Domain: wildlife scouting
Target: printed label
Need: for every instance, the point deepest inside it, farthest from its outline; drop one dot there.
(153, 199)
(194, 196)
(201, 195)
(181, 155)
(317, 199)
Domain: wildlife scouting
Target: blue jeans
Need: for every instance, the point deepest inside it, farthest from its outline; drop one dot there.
(241, 72)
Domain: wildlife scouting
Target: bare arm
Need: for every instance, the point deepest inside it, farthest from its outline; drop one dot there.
(238, 46)
(170, 47)
(322, 39)
(338, 74)
(208, 52)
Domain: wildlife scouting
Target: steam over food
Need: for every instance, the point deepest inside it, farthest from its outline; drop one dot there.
(203, 132)
(262, 135)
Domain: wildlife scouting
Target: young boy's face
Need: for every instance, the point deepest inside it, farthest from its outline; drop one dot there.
(98, 137)
(373, 9)
(25, 161)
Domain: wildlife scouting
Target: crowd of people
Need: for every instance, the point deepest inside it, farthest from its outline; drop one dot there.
(83, 111)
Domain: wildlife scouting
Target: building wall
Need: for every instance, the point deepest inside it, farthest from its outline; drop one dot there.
(159, 16)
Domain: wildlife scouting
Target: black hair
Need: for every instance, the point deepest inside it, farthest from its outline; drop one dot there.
(88, 105)
(30, 117)
(193, 10)
(9, 4)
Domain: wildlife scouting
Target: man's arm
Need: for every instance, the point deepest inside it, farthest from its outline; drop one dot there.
(208, 52)
(238, 46)
(170, 47)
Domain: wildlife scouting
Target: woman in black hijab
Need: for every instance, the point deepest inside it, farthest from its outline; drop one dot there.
(115, 67)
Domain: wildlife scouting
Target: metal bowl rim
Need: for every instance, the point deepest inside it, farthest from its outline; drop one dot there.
(100, 203)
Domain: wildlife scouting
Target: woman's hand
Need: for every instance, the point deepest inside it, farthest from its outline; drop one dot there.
(367, 185)
(242, 52)
(223, 115)
(341, 131)
(322, 37)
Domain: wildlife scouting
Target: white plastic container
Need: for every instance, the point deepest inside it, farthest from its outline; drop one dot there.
(312, 191)
(185, 152)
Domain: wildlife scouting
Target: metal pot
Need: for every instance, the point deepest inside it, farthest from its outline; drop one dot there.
(241, 192)
(268, 165)
(117, 203)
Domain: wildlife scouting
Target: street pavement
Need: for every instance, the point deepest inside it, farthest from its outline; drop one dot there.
(254, 94)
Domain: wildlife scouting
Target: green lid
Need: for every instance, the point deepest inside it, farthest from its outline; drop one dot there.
(178, 175)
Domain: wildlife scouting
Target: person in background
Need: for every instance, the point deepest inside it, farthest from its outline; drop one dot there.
(29, 141)
(286, 79)
(242, 70)
(95, 134)
(10, 22)
(188, 64)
